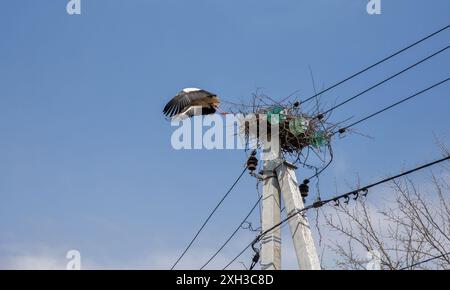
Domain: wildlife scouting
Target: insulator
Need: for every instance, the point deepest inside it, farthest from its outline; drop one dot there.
(304, 188)
(252, 163)
(365, 191)
(255, 258)
(347, 199)
(336, 202)
(296, 104)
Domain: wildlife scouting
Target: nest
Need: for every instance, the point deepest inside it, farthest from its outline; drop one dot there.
(301, 130)
(295, 132)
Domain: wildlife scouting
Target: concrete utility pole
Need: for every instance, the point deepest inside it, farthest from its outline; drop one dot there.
(271, 215)
(279, 177)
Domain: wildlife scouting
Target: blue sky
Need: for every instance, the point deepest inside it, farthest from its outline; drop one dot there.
(85, 156)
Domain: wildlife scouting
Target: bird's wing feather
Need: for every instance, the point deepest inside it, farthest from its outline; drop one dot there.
(183, 100)
(176, 105)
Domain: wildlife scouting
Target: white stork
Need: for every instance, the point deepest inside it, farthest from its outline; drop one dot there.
(190, 102)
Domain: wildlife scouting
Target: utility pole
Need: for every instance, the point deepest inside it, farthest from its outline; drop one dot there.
(270, 216)
(279, 178)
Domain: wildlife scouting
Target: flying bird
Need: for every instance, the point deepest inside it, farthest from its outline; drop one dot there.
(190, 102)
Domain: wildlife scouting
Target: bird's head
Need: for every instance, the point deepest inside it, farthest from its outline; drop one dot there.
(215, 101)
(190, 90)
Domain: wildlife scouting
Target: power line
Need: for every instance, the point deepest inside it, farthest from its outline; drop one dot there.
(342, 130)
(366, 188)
(232, 235)
(235, 258)
(382, 82)
(425, 261)
(356, 192)
(322, 169)
(320, 203)
(208, 218)
(375, 64)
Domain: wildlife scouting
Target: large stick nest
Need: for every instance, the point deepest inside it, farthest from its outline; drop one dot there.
(295, 132)
(301, 130)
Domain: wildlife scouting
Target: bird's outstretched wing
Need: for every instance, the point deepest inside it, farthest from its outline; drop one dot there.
(184, 100)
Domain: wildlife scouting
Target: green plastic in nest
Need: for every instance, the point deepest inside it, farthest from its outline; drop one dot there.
(319, 139)
(276, 111)
(298, 126)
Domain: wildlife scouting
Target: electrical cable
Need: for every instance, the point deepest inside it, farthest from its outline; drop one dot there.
(233, 234)
(320, 116)
(347, 195)
(208, 218)
(342, 130)
(425, 261)
(374, 65)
